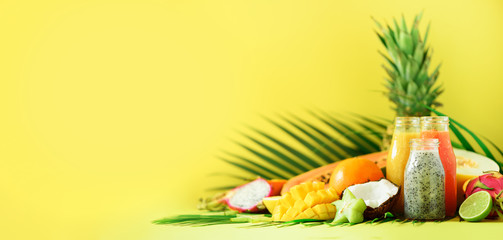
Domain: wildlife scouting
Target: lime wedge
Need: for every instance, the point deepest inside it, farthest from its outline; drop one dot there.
(476, 207)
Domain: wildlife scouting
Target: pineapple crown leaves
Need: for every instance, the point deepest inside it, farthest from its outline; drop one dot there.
(408, 59)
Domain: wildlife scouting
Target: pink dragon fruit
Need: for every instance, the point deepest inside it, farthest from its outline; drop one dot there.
(247, 197)
(491, 183)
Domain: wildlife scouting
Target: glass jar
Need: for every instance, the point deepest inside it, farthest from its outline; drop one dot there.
(438, 127)
(424, 181)
(406, 128)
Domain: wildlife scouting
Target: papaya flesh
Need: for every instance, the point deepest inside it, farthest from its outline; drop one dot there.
(276, 186)
(323, 174)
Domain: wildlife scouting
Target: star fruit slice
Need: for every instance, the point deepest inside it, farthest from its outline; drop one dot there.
(349, 209)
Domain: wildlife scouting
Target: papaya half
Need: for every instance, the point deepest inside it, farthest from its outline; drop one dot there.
(322, 174)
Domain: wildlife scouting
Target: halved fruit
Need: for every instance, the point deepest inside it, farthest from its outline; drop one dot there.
(379, 196)
(247, 197)
(476, 207)
(470, 165)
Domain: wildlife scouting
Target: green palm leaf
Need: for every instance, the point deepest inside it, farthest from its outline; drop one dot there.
(297, 153)
(269, 160)
(315, 141)
(302, 141)
(360, 134)
(306, 143)
(348, 135)
(348, 150)
(466, 145)
(318, 141)
(278, 154)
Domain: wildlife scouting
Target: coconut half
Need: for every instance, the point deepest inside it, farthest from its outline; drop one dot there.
(379, 196)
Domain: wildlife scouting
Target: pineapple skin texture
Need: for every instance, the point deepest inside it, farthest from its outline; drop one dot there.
(309, 200)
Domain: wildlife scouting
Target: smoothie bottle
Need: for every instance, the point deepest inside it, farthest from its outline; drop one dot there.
(406, 128)
(438, 127)
(424, 181)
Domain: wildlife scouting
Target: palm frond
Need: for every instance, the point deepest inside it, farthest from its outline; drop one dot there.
(466, 145)
(319, 138)
(305, 143)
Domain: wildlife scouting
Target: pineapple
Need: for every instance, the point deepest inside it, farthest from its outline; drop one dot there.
(410, 85)
(309, 200)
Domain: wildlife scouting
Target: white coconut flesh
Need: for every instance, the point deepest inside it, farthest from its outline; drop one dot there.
(374, 193)
(474, 164)
(250, 194)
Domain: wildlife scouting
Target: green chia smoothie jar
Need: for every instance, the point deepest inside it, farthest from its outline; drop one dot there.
(424, 181)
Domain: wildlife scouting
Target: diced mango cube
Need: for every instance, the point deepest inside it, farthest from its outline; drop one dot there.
(276, 214)
(320, 209)
(318, 185)
(300, 205)
(330, 208)
(324, 197)
(290, 214)
(308, 187)
(283, 209)
(333, 194)
(312, 199)
(271, 202)
(287, 200)
(309, 213)
(298, 192)
(302, 215)
(324, 216)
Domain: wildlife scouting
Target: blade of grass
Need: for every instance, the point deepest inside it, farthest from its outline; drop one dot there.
(196, 220)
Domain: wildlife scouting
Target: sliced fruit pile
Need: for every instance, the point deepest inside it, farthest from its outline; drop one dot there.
(308, 200)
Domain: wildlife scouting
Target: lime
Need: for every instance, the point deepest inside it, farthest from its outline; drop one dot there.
(476, 207)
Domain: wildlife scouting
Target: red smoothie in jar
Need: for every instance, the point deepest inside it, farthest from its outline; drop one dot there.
(438, 127)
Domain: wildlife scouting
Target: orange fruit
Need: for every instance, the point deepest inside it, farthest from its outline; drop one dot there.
(354, 171)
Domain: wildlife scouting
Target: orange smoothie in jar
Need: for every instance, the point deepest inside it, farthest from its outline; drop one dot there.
(438, 127)
(406, 128)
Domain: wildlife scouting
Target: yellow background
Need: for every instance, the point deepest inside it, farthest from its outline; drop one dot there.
(112, 112)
